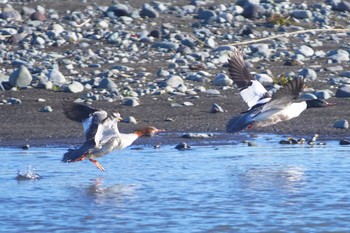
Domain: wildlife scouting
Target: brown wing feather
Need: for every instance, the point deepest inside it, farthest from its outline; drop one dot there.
(238, 70)
(291, 89)
(77, 112)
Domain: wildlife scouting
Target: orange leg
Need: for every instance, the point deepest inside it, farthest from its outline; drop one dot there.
(250, 126)
(97, 165)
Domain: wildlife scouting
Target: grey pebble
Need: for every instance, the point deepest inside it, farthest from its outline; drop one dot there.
(308, 74)
(215, 108)
(21, 77)
(182, 146)
(341, 124)
(196, 135)
(132, 102)
(130, 119)
(75, 87)
(222, 80)
(148, 11)
(343, 91)
(46, 109)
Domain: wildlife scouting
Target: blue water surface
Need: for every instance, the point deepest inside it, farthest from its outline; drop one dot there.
(213, 188)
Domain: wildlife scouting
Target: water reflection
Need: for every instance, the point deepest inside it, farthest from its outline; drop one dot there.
(288, 179)
(116, 193)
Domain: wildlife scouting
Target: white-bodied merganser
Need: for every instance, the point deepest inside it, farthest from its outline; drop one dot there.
(265, 109)
(101, 133)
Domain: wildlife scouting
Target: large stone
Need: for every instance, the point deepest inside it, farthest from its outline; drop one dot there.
(130, 120)
(108, 84)
(174, 81)
(222, 80)
(205, 14)
(323, 94)
(338, 55)
(119, 10)
(20, 77)
(165, 45)
(56, 77)
(306, 51)
(343, 91)
(341, 124)
(253, 11)
(308, 74)
(264, 79)
(132, 102)
(148, 11)
(75, 87)
(301, 14)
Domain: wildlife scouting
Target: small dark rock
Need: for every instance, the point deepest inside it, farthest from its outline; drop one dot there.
(215, 108)
(26, 147)
(253, 11)
(344, 142)
(182, 146)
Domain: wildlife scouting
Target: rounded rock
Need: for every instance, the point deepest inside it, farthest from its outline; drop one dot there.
(148, 11)
(306, 51)
(343, 91)
(215, 108)
(75, 87)
(182, 146)
(264, 79)
(222, 80)
(130, 120)
(46, 109)
(308, 74)
(108, 84)
(174, 81)
(301, 14)
(341, 124)
(132, 102)
(20, 77)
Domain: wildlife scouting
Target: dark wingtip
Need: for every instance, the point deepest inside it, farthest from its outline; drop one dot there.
(77, 112)
(239, 123)
(295, 86)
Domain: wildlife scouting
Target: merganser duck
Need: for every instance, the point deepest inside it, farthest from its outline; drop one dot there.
(101, 133)
(265, 109)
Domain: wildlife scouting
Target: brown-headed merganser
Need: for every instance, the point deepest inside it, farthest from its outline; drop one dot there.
(101, 133)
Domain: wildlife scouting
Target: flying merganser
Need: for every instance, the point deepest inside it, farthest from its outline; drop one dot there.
(101, 133)
(265, 109)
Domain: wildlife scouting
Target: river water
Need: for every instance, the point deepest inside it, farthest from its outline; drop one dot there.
(212, 188)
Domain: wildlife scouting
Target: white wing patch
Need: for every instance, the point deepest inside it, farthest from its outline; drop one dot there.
(86, 124)
(252, 95)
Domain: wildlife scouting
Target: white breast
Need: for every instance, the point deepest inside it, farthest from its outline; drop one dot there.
(273, 116)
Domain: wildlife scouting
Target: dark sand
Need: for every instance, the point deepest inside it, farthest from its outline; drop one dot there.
(26, 124)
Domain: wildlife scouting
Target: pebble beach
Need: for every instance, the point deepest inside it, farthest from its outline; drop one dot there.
(164, 63)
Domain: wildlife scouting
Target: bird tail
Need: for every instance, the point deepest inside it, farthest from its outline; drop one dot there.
(239, 123)
(78, 154)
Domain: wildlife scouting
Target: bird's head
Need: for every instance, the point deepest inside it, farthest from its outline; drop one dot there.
(116, 116)
(148, 131)
(318, 103)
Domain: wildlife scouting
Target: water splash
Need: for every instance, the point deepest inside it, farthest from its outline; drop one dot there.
(29, 174)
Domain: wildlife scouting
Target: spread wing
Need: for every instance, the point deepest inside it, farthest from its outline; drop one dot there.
(91, 119)
(251, 90)
(77, 112)
(285, 95)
